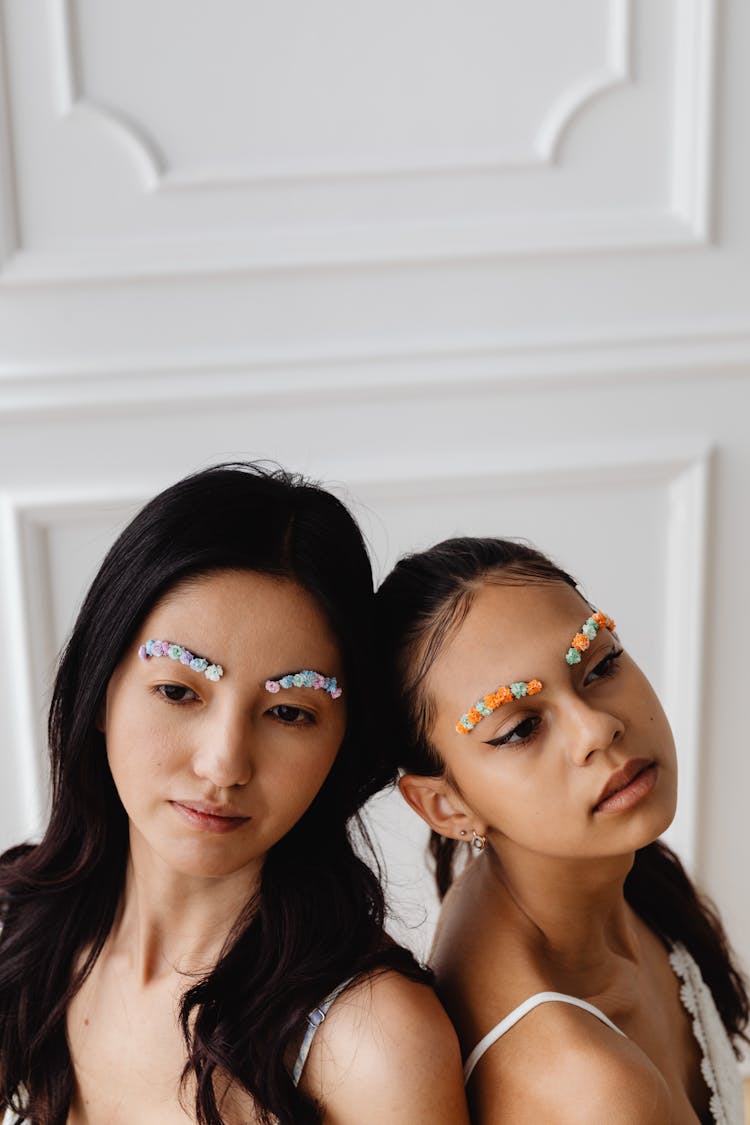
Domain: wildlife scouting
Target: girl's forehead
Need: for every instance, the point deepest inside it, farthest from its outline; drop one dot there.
(510, 626)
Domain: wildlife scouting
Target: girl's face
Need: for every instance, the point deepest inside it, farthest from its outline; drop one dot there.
(213, 774)
(533, 774)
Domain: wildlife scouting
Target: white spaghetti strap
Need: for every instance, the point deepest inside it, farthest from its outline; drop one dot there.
(518, 1013)
(314, 1020)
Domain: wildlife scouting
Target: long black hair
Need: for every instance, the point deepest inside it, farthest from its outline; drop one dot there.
(420, 603)
(318, 916)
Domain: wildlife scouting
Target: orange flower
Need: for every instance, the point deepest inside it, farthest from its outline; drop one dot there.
(580, 641)
(533, 687)
(461, 729)
(474, 715)
(600, 618)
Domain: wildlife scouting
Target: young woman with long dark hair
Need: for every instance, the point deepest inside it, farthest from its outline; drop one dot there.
(588, 980)
(195, 937)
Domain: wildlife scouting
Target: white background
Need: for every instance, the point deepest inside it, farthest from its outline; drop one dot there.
(481, 266)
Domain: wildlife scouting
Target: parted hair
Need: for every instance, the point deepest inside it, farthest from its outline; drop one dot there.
(420, 603)
(317, 918)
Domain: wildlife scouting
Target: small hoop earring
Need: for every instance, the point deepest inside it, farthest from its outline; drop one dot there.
(479, 842)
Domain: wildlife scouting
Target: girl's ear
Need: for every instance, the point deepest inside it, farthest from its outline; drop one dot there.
(439, 805)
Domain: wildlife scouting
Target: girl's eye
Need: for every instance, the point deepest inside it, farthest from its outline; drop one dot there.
(521, 733)
(176, 693)
(292, 716)
(605, 667)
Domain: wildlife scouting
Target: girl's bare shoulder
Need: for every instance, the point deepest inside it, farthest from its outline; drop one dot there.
(561, 1065)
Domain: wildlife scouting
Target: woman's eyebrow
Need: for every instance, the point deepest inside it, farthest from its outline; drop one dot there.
(183, 655)
(306, 678)
(506, 693)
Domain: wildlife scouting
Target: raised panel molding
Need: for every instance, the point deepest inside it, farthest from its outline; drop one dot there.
(683, 221)
(156, 174)
(86, 386)
(681, 468)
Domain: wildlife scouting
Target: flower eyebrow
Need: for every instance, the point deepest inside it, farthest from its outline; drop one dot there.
(583, 639)
(177, 652)
(504, 694)
(306, 678)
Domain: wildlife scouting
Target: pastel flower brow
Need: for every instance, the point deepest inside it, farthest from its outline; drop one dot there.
(212, 672)
(589, 629)
(505, 694)
(306, 678)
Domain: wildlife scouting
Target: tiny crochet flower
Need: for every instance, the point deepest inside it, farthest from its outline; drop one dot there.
(273, 686)
(573, 656)
(143, 652)
(199, 664)
(336, 692)
(474, 716)
(482, 708)
(174, 652)
(590, 628)
(580, 641)
(533, 687)
(518, 690)
(214, 672)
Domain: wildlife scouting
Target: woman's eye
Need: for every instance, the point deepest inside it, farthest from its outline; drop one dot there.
(605, 667)
(176, 693)
(292, 716)
(520, 733)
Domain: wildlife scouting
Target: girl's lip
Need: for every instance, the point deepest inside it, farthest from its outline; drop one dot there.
(635, 784)
(209, 818)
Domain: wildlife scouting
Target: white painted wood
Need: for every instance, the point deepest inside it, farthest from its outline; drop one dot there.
(499, 284)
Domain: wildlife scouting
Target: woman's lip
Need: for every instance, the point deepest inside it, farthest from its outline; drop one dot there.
(209, 818)
(639, 786)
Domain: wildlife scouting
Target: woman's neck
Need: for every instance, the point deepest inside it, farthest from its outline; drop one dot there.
(170, 923)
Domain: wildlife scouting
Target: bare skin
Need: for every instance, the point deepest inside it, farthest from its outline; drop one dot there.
(227, 745)
(543, 907)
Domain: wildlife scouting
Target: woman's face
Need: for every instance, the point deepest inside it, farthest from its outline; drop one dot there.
(533, 773)
(213, 774)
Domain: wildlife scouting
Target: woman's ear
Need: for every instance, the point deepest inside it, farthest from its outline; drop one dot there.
(438, 804)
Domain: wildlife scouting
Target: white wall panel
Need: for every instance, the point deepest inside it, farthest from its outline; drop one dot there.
(485, 267)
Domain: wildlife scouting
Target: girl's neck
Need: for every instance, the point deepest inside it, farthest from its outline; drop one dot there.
(574, 912)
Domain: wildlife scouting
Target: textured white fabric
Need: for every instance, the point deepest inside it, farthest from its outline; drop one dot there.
(718, 1066)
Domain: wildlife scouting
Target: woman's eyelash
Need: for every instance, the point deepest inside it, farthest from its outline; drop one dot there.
(291, 716)
(171, 692)
(525, 731)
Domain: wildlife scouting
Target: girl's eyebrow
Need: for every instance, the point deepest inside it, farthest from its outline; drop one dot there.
(588, 631)
(507, 693)
(306, 678)
(182, 654)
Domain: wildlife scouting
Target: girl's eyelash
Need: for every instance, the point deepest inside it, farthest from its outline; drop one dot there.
(607, 665)
(524, 738)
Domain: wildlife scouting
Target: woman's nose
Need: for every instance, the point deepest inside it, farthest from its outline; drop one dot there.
(224, 756)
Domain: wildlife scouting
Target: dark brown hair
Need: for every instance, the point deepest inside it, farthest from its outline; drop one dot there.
(422, 600)
(317, 919)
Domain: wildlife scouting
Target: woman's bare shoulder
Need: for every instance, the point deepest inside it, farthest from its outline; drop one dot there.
(387, 1052)
(562, 1066)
